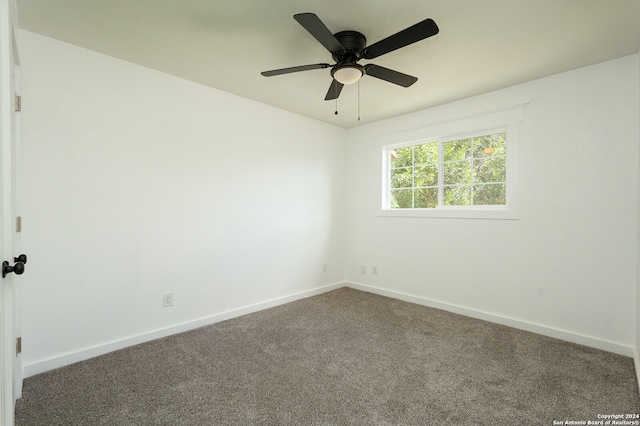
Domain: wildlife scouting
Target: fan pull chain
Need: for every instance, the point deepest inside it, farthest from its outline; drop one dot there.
(358, 100)
(336, 99)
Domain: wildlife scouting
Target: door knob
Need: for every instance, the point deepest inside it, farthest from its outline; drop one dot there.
(17, 268)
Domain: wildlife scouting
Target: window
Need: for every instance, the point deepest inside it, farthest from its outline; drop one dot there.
(459, 172)
(461, 168)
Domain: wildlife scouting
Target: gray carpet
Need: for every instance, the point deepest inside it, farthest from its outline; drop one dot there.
(342, 358)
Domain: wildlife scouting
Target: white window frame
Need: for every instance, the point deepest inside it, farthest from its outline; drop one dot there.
(506, 119)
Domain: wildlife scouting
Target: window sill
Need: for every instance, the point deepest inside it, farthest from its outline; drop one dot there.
(453, 213)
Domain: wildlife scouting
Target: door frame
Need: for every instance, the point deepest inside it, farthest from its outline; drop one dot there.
(9, 63)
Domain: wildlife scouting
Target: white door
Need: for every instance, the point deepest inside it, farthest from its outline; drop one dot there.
(8, 129)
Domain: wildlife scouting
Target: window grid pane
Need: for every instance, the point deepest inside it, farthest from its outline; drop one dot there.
(402, 178)
(490, 170)
(401, 198)
(492, 194)
(426, 198)
(457, 195)
(457, 172)
(426, 176)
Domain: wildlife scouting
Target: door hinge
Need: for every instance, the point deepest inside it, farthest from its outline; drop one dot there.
(18, 345)
(18, 106)
(19, 224)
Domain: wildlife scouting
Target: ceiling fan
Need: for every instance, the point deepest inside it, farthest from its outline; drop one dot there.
(349, 47)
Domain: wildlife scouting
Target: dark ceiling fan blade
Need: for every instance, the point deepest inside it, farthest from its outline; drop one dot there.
(334, 91)
(391, 76)
(417, 32)
(294, 69)
(316, 28)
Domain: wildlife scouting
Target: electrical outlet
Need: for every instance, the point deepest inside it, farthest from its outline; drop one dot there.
(324, 267)
(374, 269)
(167, 299)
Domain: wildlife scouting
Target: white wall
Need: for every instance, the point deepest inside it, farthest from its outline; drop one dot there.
(567, 266)
(136, 183)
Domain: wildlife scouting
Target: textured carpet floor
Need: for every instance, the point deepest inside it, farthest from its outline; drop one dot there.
(342, 358)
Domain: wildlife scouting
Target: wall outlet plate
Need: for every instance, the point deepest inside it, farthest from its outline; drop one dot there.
(167, 299)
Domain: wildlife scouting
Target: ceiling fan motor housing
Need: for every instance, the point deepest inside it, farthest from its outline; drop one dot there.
(353, 43)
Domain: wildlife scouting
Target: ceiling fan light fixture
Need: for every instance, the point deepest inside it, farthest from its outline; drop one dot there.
(347, 74)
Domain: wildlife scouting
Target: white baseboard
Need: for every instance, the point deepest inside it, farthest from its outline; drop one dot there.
(511, 322)
(87, 353)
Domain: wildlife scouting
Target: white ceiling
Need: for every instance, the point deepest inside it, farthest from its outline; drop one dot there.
(483, 45)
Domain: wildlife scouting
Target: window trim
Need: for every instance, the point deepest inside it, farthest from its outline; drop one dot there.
(506, 119)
